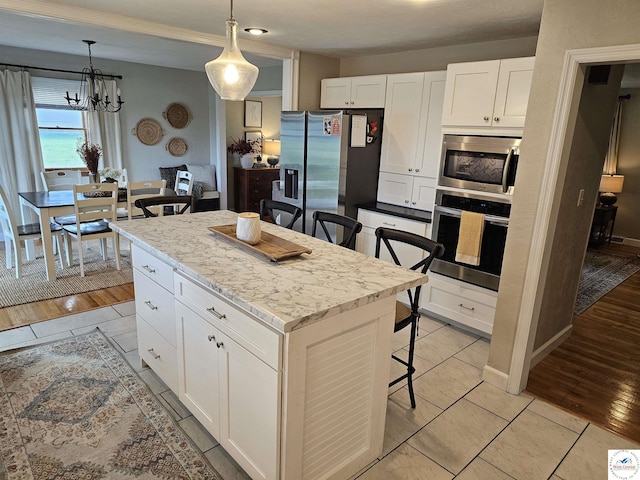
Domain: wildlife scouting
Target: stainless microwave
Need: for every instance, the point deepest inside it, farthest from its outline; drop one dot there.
(486, 164)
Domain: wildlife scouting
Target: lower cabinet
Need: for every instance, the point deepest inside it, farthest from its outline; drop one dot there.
(461, 302)
(234, 394)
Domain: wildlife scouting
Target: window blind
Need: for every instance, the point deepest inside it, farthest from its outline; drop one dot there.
(50, 92)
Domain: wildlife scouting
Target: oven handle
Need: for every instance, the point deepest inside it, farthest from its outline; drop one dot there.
(501, 221)
(505, 172)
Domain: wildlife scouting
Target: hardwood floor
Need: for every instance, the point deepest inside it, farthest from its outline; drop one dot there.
(19, 315)
(595, 373)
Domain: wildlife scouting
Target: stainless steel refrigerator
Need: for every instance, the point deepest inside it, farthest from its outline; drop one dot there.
(329, 161)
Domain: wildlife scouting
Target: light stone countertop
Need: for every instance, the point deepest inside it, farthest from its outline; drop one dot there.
(285, 295)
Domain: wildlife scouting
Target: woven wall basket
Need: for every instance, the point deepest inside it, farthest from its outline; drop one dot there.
(177, 147)
(148, 131)
(177, 115)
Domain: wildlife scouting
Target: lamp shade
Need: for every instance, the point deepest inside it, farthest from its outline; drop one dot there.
(271, 147)
(611, 183)
(230, 74)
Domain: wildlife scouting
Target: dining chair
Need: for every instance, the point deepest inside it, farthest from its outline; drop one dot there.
(184, 183)
(54, 180)
(181, 203)
(330, 224)
(61, 179)
(272, 211)
(406, 316)
(95, 205)
(15, 234)
(144, 189)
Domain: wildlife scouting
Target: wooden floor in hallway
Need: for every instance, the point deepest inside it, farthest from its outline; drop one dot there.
(595, 373)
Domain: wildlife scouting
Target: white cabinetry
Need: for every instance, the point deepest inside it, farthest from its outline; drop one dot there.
(155, 315)
(460, 302)
(411, 139)
(353, 92)
(493, 93)
(406, 190)
(228, 377)
(366, 239)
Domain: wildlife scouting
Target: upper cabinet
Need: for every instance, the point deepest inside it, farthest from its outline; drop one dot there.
(353, 92)
(488, 94)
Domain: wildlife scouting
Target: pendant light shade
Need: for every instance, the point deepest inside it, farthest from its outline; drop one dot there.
(230, 74)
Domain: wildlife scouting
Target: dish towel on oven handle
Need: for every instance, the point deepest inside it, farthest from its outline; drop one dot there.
(470, 238)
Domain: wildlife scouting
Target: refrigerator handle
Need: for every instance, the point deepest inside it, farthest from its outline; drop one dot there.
(291, 183)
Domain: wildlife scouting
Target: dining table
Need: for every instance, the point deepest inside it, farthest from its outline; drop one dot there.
(47, 205)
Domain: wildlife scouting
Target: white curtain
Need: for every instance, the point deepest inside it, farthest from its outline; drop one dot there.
(611, 160)
(20, 153)
(104, 130)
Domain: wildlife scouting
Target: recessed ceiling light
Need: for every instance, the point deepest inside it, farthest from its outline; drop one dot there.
(255, 31)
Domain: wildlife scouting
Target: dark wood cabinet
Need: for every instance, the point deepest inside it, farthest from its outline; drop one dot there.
(252, 185)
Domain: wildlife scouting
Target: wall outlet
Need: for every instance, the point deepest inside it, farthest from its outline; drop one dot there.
(581, 197)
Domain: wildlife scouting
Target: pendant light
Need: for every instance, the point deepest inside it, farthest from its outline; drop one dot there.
(230, 74)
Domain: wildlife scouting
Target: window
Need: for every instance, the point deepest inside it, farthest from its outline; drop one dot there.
(61, 128)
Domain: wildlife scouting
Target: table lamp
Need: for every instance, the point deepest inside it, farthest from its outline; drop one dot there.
(609, 186)
(271, 149)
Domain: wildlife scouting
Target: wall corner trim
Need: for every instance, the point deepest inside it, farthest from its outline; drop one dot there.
(495, 377)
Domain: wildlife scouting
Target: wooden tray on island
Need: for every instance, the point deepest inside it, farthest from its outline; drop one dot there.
(271, 246)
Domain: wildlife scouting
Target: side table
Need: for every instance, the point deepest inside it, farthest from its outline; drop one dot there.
(604, 219)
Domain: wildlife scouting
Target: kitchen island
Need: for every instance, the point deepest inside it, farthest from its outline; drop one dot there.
(285, 363)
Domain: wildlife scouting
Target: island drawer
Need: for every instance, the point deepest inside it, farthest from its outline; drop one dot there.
(157, 353)
(155, 305)
(239, 325)
(152, 267)
(374, 220)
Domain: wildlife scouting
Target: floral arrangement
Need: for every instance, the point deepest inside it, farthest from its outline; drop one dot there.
(243, 147)
(110, 174)
(90, 154)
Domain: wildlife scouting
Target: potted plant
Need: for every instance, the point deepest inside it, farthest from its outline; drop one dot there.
(245, 149)
(111, 175)
(90, 154)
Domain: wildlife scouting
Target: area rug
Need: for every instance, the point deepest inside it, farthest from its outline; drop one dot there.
(75, 409)
(33, 285)
(601, 273)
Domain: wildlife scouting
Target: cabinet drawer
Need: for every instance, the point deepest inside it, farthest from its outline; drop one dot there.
(471, 307)
(375, 220)
(152, 267)
(242, 328)
(156, 306)
(157, 353)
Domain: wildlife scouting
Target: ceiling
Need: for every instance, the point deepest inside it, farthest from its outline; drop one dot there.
(187, 33)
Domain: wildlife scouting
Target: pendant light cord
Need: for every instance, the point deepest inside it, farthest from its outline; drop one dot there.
(231, 10)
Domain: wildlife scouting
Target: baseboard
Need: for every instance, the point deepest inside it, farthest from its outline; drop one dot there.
(550, 345)
(634, 242)
(495, 377)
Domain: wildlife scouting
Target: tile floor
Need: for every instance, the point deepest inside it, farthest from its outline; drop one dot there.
(462, 427)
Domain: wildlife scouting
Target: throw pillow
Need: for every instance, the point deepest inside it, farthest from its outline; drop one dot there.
(206, 174)
(169, 174)
(197, 190)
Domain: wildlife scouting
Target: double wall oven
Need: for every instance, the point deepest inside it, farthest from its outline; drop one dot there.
(477, 175)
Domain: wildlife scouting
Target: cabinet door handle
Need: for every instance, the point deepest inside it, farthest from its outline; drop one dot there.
(468, 308)
(153, 354)
(496, 119)
(417, 169)
(346, 103)
(219, 344)
(413, 203)
(213, 311)
(149, 269)
(212, 338)
(406, 201)
(150, 305)
(352, 102)
(411, 169)
(486, 119)
(389, 224)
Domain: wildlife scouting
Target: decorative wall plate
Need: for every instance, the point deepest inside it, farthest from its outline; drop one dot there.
(177, 115)
(177, 146)
(148, 131)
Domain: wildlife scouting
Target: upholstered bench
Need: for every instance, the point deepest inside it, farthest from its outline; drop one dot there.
(204, 191)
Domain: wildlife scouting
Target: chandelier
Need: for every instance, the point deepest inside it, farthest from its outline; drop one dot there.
(230, 74)
(93, 90)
